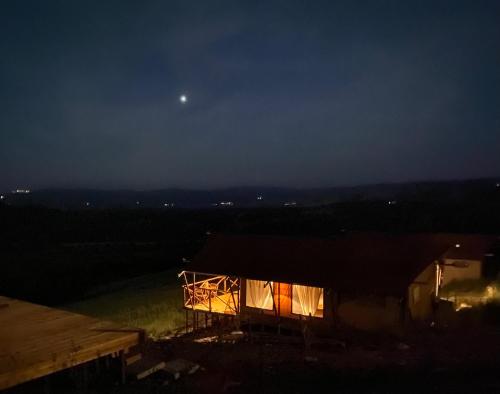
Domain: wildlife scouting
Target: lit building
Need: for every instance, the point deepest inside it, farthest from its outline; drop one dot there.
(369, 281)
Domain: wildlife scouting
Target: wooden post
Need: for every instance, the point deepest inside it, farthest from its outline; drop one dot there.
(122, 362)
(85, 376)
(46, 384)
(279, 299)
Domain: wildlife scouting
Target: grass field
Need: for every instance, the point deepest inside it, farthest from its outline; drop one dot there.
(152, 302)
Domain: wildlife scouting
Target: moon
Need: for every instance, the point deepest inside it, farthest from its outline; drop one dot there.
(183, 99)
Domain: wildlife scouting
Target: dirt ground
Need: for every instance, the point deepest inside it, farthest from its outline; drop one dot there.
(458, 360)
(432, 361)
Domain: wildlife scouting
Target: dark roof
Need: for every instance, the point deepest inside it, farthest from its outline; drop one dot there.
(361, 263)
(468, 246)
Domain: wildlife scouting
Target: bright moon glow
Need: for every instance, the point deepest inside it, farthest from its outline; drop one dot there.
(183, 99)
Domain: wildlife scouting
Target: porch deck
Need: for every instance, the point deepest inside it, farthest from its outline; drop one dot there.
(36, 341)
(221, 304)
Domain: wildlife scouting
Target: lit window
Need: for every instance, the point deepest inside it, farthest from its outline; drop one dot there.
(307, 300)
(259, 294)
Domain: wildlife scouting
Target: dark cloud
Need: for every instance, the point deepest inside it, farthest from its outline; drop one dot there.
(280, 93)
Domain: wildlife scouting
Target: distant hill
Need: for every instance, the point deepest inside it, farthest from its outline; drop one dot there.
(453, 191)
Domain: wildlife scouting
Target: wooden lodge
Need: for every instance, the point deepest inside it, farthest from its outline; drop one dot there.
(36, 341)
(369, 281)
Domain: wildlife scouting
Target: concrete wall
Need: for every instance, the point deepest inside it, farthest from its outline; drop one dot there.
(473, 270)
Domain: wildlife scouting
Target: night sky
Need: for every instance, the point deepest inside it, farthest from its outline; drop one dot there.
(281, 93)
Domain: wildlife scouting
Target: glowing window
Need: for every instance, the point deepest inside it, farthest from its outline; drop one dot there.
(307, 300)
(259, 294)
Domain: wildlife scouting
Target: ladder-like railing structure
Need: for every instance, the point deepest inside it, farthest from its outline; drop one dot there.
(211, 293)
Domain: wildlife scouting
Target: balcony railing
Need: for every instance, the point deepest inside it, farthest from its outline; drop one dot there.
(211, 293)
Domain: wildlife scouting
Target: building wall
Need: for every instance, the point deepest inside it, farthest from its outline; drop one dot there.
(370, 313)
(421, 294)
(473, 270)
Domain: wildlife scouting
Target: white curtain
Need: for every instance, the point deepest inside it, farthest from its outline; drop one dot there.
(259, 295)
(306, 300)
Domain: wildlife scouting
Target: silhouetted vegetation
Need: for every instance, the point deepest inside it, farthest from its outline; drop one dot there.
(54, 256)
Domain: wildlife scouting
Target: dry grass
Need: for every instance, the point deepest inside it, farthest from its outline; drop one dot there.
(152, 302)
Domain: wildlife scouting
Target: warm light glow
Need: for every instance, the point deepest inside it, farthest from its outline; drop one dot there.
(211, 293)
(463, 305)
(259, 294)
(438, 280)
(307, 300)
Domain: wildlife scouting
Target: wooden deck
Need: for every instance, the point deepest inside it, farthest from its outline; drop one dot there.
(36, 340)
(221, 304)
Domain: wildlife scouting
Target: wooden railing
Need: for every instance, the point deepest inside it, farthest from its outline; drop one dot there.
(211, 293)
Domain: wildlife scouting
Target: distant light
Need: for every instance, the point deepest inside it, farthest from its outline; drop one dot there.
(2, 197)
(87, 204)
(137, 202)
(183, 99)
(259, 198)
(21, 191)
(498, 184)
(457, 245)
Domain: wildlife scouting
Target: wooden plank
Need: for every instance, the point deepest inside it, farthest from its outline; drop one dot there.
(132, 359)
(65, 347)
(36, 340)
(43, 366)
(145, 367)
